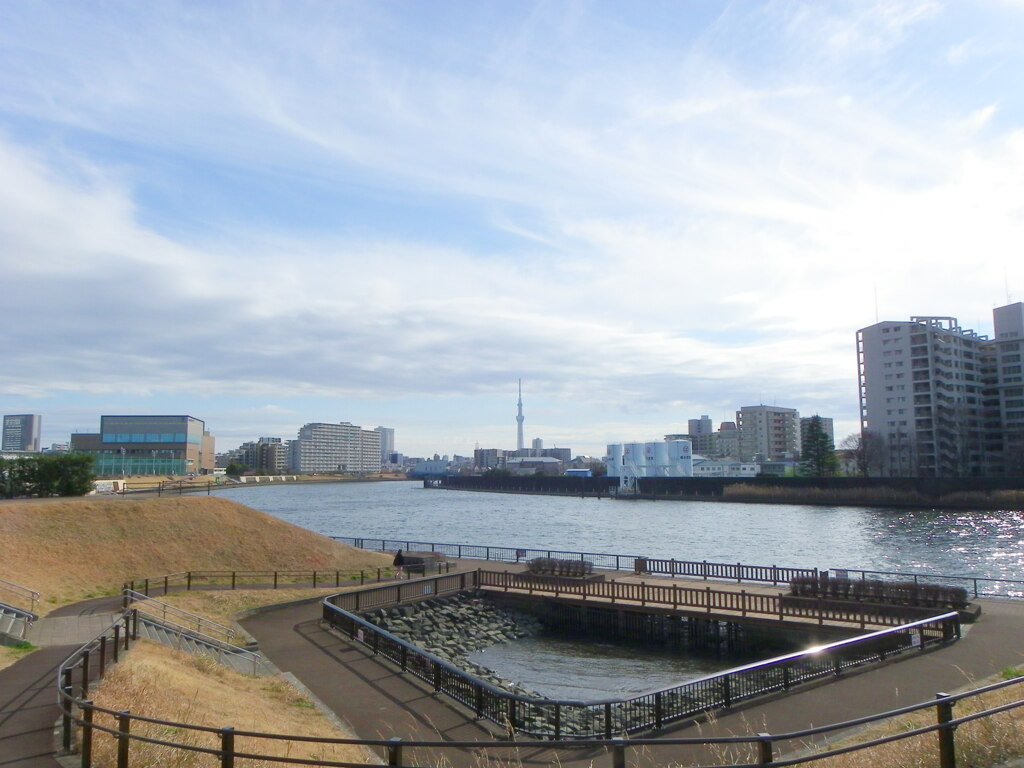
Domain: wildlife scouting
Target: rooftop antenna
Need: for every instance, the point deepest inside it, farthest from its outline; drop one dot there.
(519, 418)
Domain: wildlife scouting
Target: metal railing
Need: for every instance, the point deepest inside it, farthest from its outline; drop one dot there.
(764, 749)
(15, 622)
(719, 603)
(181, 618)
(979, 586)
(738, 572)
(546, 718)
(211, 646)
(15, 593)
(282, 579)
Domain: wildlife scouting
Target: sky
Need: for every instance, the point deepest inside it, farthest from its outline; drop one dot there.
(264, 214)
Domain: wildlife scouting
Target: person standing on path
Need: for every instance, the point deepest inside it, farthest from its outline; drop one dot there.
(398, 562)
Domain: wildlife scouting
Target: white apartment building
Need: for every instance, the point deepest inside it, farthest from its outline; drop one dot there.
(342, 447)
(943, 400)
(768, 433)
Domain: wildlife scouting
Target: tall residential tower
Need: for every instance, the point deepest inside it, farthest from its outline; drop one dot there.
(939, 400)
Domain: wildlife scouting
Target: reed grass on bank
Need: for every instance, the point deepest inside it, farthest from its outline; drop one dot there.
(867, 497)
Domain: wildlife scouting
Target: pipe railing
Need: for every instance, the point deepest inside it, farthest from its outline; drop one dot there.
(547, 718)
(185, 619)
(20, 593)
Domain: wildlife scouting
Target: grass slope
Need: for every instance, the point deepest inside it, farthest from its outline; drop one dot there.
(71, 550)
(162, 683)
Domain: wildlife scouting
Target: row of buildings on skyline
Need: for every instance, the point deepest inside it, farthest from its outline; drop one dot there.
(935, 400)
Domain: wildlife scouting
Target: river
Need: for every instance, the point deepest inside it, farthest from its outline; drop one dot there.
(980, 544)
(955, 542)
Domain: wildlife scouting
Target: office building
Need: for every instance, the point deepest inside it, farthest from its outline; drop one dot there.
(939, 400)
(767, 433)
(148, 445)
(342, 447)
(21, 432)
(387, 445)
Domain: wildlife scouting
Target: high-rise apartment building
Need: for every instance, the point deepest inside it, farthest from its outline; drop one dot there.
(939, 400)
(21, 432)
(342, 447)
(768, 433)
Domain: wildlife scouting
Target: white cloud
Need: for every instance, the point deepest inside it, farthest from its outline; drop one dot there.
(698, 235)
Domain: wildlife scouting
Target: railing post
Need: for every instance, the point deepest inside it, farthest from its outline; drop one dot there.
(85, 673)
(103, 654)
(124, 597)
(135, 624)
(233, 579)
(943, 714)
(395, 751)
(726, 693)
(619, 753)
(117, 641)
(124, 725)
(227, 747)
(188, 581)
(275, 579)
(314, 578)
(68, 690)
(608, 720)
(86, 747)
(166, 583)
(764, 748)
(658, 714)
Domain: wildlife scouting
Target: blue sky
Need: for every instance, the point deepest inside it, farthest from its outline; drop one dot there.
(269, 213)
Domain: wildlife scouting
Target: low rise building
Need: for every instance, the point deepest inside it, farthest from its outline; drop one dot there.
(148, 445)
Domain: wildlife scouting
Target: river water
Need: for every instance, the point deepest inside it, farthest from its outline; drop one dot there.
(969, 543)
(980, 544)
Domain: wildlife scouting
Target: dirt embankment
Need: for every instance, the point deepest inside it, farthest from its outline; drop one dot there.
(72, 550)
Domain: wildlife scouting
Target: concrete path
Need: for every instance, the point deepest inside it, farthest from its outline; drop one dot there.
(28, 709)
(379, 702)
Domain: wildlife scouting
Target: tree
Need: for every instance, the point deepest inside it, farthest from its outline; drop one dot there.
(235, 469)
(867, 450)
(68, 474)
(819, 453)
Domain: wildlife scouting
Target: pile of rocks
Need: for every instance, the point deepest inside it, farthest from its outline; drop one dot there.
(453, 627)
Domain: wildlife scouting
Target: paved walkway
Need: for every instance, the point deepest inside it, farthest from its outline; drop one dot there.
(378, 702)
(28, 688)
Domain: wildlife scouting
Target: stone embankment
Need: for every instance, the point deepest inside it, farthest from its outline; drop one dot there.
(453, 627)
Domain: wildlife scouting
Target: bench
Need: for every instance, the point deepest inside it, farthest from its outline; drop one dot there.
(552, 566)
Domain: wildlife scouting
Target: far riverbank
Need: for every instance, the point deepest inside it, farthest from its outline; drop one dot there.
(991, 494)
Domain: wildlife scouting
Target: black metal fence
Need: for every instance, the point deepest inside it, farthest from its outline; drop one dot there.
(978, 586)
(82, 718)
(553, 719)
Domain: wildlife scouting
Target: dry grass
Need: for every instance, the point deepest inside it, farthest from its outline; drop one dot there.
(223, 606)
(87, 548)
(989, 742)
(162, 683)
(12, 653)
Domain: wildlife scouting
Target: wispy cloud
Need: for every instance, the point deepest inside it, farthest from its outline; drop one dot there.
(655, 216)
